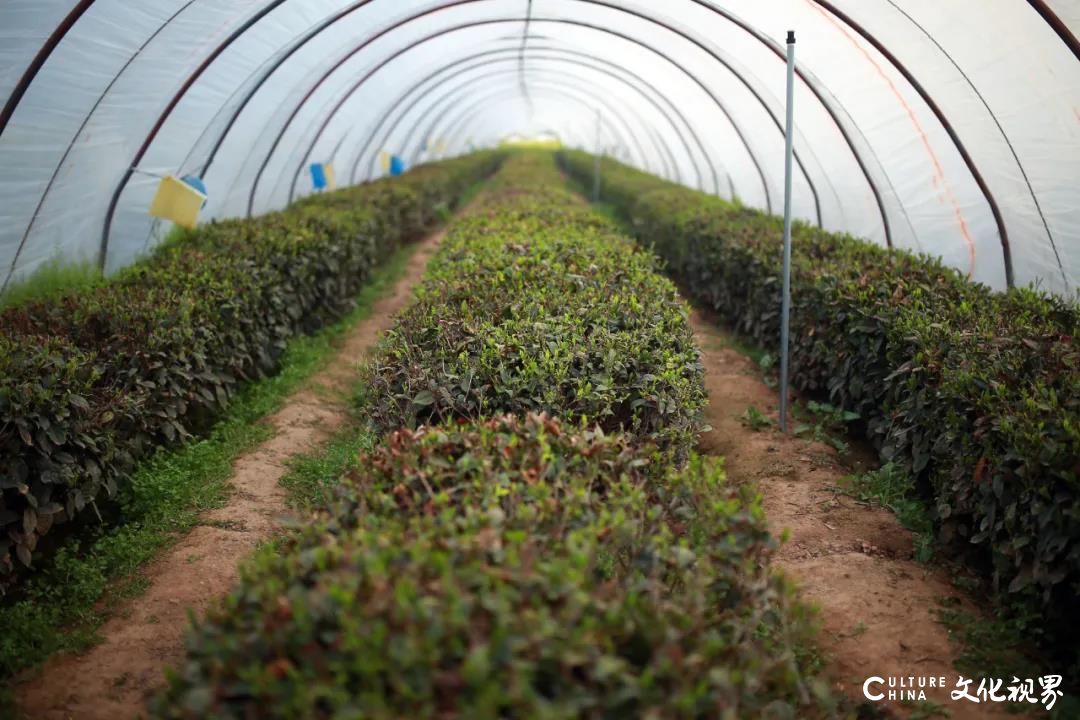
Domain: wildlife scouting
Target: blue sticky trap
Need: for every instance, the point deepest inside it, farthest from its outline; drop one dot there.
(197, 183)
(397, 165)
(318, 176)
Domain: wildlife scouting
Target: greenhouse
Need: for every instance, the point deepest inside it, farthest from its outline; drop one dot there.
(539, 358)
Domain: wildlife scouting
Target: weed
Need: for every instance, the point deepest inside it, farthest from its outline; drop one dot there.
(768, 364)
(312, 477)
(891, 488)
(826, 423)
(53, 278)
(755, 419)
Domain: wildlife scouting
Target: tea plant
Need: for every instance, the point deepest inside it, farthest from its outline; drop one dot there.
(478, 564)
(533, 303)
(972, 393)
(53, 278)
(93, 380)
(510, 568)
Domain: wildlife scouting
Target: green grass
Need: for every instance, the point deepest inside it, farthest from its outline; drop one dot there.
(176, 236)
(54, 277)
(826, 423)
(312, 477)
(755, 419)
(768, 363)
(60, 607)
(891, 488)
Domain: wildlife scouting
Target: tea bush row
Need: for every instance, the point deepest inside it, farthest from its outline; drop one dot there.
(506, 568)
(975, 393)
(93, 380)
(491, 565)
(535, 303)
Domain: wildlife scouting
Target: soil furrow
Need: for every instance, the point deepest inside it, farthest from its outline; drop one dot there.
(856, 563)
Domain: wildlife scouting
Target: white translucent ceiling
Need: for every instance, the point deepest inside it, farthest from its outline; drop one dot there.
(947, 127)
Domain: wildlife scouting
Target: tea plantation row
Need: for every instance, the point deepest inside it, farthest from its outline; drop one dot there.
(975, 393)
(92, 381)
(544, 544)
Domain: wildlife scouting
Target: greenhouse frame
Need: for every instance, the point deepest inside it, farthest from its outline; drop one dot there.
(583, 359)
(909, 132)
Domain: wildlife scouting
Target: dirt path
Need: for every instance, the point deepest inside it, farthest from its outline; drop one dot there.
(112, 680)
(854, 562)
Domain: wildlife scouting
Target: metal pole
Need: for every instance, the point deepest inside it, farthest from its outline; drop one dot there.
(596, 163)
(785, 312)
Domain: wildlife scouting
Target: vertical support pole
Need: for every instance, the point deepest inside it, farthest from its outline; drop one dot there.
(785, 311)
(596, 163)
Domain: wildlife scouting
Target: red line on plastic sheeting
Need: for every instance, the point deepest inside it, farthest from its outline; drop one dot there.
(939, 173)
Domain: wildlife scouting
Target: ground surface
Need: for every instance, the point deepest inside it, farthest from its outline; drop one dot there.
(112, 680)
(853, 561)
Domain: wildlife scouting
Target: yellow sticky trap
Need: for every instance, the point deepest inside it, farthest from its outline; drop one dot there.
(328, 170)
(384, 159)
(440, 148)
(177, 201)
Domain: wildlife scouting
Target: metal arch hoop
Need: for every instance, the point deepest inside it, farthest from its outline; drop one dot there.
(563, 21)
(308, 36)
(44, 53)
(774, 47)
(634, 140)
(470, 25)
(1004, 135)
(1057, 25)
(254, 19)
(466, 118)
(572, 53)
(671, 163)
(503, 73)
(427, 135)
(570, 59)
(29, 76)
(929, 100)
(67, 151)
(478, 105)
(510, 93)
(39, 60)
(169, 107)
(662, 145)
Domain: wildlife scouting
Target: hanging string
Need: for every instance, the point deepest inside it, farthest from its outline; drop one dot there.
(140, 171)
